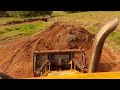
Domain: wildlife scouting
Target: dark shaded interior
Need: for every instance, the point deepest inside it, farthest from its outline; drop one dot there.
(58, 60)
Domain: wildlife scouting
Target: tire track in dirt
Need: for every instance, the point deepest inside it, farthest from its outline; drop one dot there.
(16, 58)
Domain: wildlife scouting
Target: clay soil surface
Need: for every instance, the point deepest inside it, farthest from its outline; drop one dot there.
(16, 57)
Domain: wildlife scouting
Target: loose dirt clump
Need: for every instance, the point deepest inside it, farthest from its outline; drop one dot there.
(16, 57)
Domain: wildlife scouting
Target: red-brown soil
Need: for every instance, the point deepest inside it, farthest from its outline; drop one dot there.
(16, 57)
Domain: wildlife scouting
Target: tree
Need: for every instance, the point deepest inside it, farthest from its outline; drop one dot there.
(3, 14)
(24, 13)
(33, 13)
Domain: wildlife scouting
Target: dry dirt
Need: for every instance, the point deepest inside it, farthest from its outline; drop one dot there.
(16, 57)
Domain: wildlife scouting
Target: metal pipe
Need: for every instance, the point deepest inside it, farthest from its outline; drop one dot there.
(99, 42)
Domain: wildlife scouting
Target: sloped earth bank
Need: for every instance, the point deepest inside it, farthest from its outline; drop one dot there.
(45, 19)
(16, 57)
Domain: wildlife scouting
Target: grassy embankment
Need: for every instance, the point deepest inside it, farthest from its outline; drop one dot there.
(10, 32)
(91, 21)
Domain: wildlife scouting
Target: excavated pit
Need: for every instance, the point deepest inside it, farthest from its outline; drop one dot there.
(16, 57)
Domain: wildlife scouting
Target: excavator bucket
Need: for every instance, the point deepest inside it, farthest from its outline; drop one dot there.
(50, 60)
(61, 60)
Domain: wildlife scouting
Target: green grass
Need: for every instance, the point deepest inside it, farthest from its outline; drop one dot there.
(113, 41)
(5, 20)
(92, 21)
(12, 32)
(88, 20)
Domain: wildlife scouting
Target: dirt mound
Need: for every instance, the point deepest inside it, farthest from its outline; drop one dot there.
(16, 57)
(64, 36)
